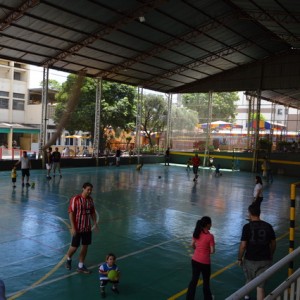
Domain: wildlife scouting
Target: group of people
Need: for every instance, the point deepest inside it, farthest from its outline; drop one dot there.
(82, 214)
(255, 254)
(52, 160)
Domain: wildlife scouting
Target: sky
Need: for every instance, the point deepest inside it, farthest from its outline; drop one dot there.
(36, 76)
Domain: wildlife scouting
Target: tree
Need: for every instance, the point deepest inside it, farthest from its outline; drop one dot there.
(52, 84)
(223, 105)
(118, 105)
(154, 115)
(183, 118)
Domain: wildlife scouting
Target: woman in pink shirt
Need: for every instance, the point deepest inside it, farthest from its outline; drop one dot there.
(204, 244)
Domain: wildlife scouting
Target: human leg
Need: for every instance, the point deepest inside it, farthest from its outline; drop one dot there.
(206, 281)
(260, 293)
(196, 269)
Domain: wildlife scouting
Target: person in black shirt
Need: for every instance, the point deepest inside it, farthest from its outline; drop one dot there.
(257, 247)
(56, 156)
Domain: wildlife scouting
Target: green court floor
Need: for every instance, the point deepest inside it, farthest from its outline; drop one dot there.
(146, 218)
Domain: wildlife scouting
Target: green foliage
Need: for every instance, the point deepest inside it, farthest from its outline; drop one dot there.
(154, 114)
(118, 105)
(52, 84)
(223, 105)
(183, 118)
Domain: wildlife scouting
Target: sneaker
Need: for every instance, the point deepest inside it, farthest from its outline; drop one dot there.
(48, 177)
(247, 297)
(14, 186)
(68, 264)
(27, 184)
(115, 290)
(83, 270)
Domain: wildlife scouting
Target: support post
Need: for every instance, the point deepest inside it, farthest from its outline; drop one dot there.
(43, 130)
(209, 117)
(97, 120)
(169, 129)
(138, 123)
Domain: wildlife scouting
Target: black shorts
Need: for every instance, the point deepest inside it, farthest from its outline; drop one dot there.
(25, 172)
(85, 238)
(14, 180)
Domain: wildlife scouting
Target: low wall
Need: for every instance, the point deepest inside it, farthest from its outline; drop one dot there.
(6, 165)
(281, 163)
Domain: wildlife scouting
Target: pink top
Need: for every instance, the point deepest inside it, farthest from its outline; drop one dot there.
(202, 250)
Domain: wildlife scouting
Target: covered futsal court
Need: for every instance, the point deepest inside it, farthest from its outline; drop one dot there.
(146, 218)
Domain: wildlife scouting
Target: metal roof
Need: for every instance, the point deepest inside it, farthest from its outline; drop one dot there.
(173, 46)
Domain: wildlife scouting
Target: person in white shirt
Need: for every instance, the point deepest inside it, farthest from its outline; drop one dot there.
(25, 166)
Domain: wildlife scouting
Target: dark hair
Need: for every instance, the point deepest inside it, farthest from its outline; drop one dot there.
(111, 255)
(85, 185)
(201, 224)
(254, 210)
(258, 179)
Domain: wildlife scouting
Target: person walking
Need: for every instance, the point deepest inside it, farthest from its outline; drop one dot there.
(196, 164)
(25, 166)
(56, 157)
(258, 191)
(167, 157)
(81, 211)
(204, 244)
(257, 247)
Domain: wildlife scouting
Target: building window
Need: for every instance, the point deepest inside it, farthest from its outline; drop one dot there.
(17, 76)
(51, 111)
(279, 111)
(18, 95)
(4, 103)
(18, 104)
(4, 94)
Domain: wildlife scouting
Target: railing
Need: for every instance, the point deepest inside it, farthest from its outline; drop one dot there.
(15, 154)
(289, 289)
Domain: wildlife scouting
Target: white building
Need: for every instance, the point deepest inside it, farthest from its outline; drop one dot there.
(19, 120)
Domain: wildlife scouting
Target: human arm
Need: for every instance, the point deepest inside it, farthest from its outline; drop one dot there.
(272, 247)
(212, 249)
(242, 250)
(72, 221)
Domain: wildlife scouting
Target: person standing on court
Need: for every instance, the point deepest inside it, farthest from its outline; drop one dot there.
(56, 157)
(204, 244)
(25, 166)
(118, 157)
(257, 247)
(48, 161)
(81, 211)
(167, 157)
(196, 164)
(258, 191)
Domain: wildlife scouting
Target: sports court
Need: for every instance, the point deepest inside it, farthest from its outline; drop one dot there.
(146, 218)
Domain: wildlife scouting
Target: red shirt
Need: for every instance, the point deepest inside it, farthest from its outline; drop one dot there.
(203, 244)
(196, 161)
(83, 208)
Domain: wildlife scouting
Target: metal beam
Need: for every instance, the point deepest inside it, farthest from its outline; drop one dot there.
(17, 13)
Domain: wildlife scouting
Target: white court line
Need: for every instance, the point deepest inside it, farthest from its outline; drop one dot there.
(92, 267)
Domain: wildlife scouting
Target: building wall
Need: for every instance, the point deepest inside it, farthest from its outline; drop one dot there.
(14, 79)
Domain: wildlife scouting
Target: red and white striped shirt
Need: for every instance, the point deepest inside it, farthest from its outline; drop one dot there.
(83, 208)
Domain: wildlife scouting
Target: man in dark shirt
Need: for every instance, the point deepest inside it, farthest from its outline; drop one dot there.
(258, 244)
(56, 156)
